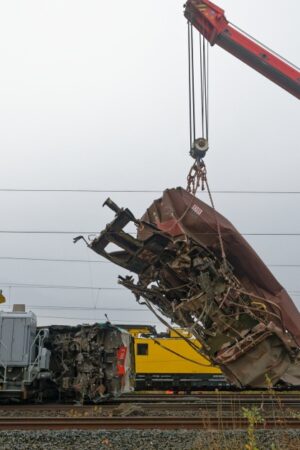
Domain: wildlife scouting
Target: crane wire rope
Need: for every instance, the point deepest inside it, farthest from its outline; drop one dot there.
(198, 147)
(191, 85)
(204, 76)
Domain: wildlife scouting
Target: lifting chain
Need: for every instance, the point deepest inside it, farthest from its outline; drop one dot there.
(196, 176)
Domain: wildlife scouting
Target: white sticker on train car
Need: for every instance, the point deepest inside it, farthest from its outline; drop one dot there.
(197, 210)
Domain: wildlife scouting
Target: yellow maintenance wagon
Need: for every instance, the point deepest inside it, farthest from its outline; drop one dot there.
(172, 361)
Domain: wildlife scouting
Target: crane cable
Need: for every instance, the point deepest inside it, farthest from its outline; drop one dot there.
(198, 146)
(204, 76)
(191, 85)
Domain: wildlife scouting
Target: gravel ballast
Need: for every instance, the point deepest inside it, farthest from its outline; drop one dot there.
(146, 440)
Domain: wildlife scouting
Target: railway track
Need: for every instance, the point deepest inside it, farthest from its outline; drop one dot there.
(241, 396)
(181, 398)
(156, 408)
(178, 406)
(108, 423)
(217, 397)
(182, 402)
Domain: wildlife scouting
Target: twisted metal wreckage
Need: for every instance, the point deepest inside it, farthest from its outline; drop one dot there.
(195, 268)
(89, 362)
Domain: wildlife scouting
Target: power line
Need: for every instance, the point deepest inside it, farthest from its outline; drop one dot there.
(264, 234)
(81, 308)
(92, 288)
(13, 258)
(46, 232)
(58, 286)
(283, 265)
(95, 320)
(146, 191)
(88, 191)
(133, 233)
(16, 258)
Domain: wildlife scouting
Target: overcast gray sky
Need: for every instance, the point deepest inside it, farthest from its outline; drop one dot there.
(94, 96)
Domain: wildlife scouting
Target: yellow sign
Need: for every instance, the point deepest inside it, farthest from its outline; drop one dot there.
(2, 298)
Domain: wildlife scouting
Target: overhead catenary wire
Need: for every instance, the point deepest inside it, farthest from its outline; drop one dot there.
(79, 308)
(68, 287)
(94, 233)
(82, 261)
(117, 321)
(146, 191)
(60, 286)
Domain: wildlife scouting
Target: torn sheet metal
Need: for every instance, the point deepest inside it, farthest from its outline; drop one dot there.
(246, 322)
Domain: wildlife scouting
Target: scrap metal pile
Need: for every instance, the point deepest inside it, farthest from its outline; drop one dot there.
(195, 268)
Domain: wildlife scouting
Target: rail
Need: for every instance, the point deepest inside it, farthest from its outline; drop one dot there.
(97, 423)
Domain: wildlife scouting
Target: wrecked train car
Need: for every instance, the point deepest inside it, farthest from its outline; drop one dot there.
(196, 269)
(90, 362)
(67, 363)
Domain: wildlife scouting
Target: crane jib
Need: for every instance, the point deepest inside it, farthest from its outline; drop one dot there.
(261, 64)
(211, 22)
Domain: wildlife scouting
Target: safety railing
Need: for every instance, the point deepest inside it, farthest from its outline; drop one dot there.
(2, 364)
(39, 343)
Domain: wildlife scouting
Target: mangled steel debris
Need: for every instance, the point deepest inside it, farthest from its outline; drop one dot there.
(90, 362)
(245, 320)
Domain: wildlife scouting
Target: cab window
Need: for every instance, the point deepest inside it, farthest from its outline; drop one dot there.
(142, 349)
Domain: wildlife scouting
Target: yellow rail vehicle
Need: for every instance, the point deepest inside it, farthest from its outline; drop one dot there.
(170, 361)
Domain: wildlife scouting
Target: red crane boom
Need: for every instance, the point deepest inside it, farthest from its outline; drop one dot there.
(211, 22)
